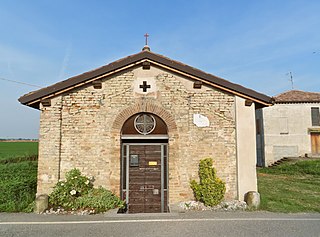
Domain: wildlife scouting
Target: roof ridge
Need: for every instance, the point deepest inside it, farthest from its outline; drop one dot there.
(297, 96)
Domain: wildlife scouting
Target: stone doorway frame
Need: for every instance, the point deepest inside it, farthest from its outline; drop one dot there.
(141, 106)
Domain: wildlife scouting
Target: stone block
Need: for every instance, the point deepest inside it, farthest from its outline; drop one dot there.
(176, 208)
(42, 202)
(252, 199)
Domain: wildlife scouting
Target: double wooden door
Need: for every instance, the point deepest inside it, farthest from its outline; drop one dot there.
(145, 177)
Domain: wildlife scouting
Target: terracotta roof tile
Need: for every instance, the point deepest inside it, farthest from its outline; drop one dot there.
(296, 96)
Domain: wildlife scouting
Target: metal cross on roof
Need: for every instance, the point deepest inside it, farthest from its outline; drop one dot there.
(146, 35)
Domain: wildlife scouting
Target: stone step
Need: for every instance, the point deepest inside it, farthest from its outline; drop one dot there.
(278, 162)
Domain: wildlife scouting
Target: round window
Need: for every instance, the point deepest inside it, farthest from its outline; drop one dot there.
(144, 123)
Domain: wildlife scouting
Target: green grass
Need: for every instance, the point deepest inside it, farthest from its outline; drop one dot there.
(10, 150)
(290, 187)
(18, 184)
(18, 175)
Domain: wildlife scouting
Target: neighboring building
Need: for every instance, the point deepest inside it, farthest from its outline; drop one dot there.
(289, 128)
(140, 126)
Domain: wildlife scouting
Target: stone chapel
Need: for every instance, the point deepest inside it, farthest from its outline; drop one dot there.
(140, 126)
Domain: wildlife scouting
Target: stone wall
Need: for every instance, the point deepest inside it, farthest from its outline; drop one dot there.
(90, 120)
(49, 146)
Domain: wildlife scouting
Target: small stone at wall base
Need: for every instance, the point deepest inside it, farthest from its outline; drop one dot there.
(252, 199)
(176, 208)
(41, 203)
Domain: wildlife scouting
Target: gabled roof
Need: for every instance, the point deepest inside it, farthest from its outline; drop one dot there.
(296, 96)
(33, 99)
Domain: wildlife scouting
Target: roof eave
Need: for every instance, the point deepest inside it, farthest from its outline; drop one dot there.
(33, 99)
(295, 102)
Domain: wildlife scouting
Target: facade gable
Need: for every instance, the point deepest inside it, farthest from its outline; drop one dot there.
(142, 59)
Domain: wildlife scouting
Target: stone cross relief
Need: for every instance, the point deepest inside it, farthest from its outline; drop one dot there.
(144, 86)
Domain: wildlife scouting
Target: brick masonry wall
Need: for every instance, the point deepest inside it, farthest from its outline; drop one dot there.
(90, 120)
(49, 146)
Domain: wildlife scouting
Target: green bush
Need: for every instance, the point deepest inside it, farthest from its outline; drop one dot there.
(99, 199)
(210, 190)
(66, 192)
(77, 192)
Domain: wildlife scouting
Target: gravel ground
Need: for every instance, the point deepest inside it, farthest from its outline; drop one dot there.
(182, 207)
(223, 206)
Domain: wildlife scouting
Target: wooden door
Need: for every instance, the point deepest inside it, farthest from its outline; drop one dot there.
(315, 143)
(146, 179)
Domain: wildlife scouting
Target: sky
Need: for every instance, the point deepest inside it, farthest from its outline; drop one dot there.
(252, 43)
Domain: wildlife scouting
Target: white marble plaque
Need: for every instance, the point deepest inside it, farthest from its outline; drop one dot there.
(200, 120)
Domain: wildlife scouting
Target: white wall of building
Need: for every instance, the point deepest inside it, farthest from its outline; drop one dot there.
(285, 130)
(246, 147)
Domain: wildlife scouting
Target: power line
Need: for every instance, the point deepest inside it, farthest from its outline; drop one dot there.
(19, 82)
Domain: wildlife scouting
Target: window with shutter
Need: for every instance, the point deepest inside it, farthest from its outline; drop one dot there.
(315, 116)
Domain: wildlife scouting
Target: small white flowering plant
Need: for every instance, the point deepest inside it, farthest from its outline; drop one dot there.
(77, 193)
(66, 191)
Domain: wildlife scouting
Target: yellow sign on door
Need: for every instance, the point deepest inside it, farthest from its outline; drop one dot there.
(152, 163)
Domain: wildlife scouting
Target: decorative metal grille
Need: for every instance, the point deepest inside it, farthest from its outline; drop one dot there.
(144, 123)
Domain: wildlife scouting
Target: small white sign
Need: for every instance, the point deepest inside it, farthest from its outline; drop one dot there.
(200, 120)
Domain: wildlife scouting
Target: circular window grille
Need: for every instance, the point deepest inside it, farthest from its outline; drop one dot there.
(144, 123)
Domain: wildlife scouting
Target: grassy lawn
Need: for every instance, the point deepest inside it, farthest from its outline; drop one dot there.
(290, 187)
(18, 175)
(9, 150)
(18, 185)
